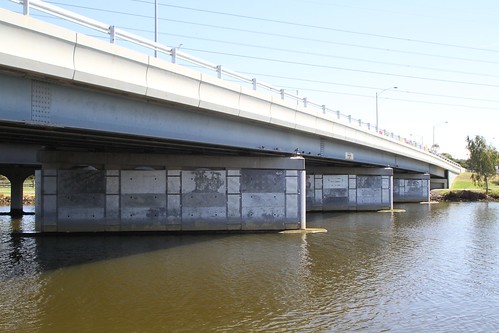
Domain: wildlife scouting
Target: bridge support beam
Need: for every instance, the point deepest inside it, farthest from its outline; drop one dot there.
(82, 192)
(349, 188)
(411, 187)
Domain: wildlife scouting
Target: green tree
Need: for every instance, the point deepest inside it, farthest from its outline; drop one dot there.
(482, 161)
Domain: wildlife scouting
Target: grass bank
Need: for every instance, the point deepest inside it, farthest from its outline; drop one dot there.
(463, 189)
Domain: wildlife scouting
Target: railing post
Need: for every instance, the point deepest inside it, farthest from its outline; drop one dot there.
(26, 7)
(282, 94)
(349, 118)
(219, 71)
(254, 83)
(360, 122)
(174, 55)
(304, 102)
(112, 34)
(324, 108)
(339, 115)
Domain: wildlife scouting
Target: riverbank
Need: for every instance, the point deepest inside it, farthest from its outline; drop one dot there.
(462, 196)
(28, 200)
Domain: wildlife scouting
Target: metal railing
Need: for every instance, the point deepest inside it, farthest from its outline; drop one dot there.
(221, 72)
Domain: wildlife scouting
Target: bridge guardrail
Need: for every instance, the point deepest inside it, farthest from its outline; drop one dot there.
(115, 34)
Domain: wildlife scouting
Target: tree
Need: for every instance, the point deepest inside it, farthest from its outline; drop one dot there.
(483, 160)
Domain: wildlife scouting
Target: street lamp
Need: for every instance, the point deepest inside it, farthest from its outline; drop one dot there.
(379, 93)
(445, 122)
(155, 26)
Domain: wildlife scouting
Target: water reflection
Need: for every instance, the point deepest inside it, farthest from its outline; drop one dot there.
(433, 268)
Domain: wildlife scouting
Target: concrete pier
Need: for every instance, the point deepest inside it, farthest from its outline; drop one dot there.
(411, 187)
(16, 175)
(349, 188)
(123, 192)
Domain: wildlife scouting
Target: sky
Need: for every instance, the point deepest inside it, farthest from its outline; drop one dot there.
(442, 55)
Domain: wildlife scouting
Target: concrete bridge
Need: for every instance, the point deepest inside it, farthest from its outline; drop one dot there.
(123, 141)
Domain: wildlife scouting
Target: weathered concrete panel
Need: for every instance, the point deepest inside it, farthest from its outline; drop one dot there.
(292, 206)
(112, 185)
(81, 181)
(263, 200)
(174, 210)
(195, 199)
(173, 185)
(204, 213)
(49, 185)
(113, 208)
(143, 206)
(234, 206)
(49, 203)
(233, 185)
(203, 181)
(263, 213)
(367, 190)
(291, 185)
(143, 181)
(263, 181)
(411, 189)
(147, 200)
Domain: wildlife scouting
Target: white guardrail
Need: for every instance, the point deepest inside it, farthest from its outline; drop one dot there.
(117, 34)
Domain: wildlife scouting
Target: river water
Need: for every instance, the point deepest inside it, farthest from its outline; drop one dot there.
(433, 268)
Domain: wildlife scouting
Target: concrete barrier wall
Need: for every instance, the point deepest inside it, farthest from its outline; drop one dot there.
(331, 189)
(411, 188)
(221, 199)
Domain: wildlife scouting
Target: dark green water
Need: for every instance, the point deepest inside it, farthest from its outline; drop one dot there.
(432, 269)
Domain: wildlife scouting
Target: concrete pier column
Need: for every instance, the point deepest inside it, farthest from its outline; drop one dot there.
(411, 187)
(16, 195)
(16, 175)
(330, 189)
(303, 198)
(83, 192)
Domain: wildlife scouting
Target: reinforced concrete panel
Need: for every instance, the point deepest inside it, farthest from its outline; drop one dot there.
(174, 209)
(233, 184)
(112, 185)
(366, 190)
(234, 206)
(291, 185)
(143, 181)
(49, 185)
(292, 207)
(173, 184)
(49, 203)
(263, 181)
(113, 208)
(140, 206)
(411, 189)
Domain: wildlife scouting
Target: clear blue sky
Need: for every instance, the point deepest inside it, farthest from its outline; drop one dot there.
(442, 55)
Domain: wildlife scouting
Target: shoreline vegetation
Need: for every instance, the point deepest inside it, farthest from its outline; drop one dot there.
(463, 190)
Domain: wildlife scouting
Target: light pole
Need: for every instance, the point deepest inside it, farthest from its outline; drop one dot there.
(444, 122)
(155, 26)
(379, 93)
